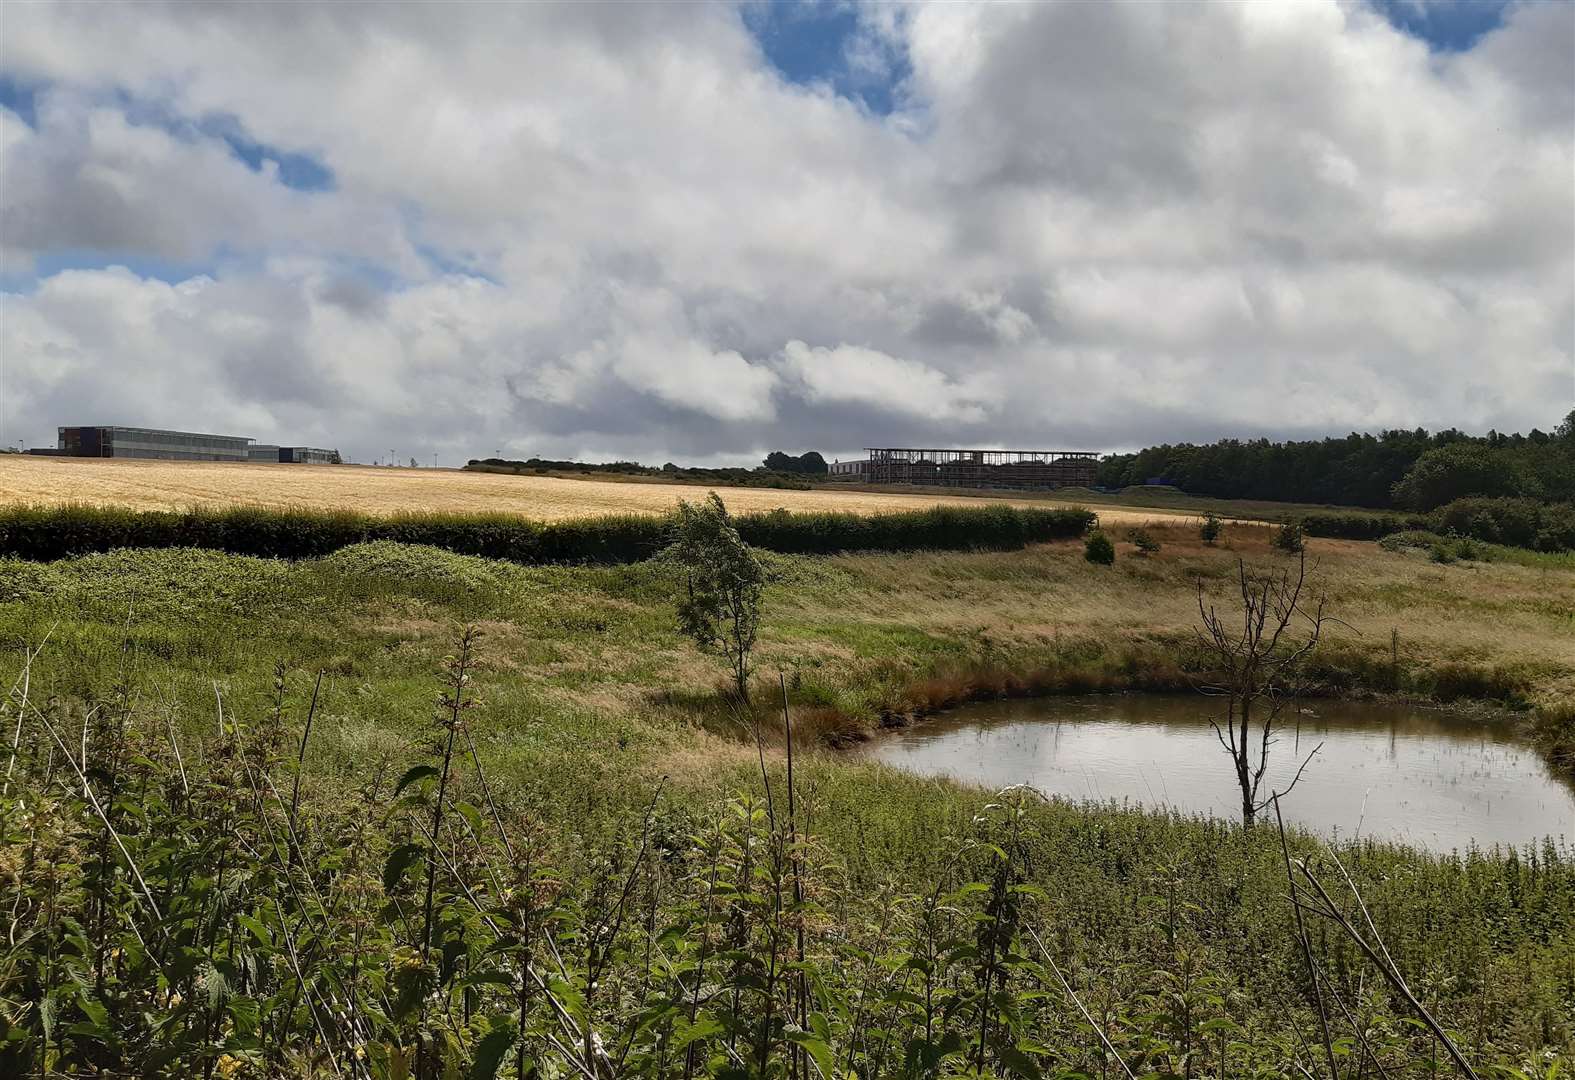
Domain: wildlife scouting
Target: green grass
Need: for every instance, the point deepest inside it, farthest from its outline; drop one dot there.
(1174, 931)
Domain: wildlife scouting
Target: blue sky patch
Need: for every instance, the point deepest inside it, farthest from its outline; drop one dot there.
(20, 98)
(1446, 25)
(49, 263)
(301, 172)
(298, 171)
(808, 42)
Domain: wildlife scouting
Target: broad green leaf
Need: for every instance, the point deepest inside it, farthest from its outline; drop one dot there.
(417, 772)
(399, 861)
(491, 1049)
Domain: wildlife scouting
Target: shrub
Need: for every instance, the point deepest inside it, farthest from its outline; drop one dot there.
(1143, 541)
(1210, 529)
(1517, 522)
(1288, 538)
(1099, 549)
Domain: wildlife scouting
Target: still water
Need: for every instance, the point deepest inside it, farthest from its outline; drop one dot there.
(1390, 772)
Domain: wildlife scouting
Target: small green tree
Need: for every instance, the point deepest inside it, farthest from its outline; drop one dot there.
(1144, 541)
(1210, 529)
(720, 606)
(1289, 538)
(1099, 549)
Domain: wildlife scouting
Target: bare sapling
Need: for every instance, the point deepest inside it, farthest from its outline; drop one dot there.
(1258, 654)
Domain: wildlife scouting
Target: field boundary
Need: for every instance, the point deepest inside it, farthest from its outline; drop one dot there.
(46, 533)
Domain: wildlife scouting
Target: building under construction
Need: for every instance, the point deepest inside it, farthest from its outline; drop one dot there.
(1023, 469)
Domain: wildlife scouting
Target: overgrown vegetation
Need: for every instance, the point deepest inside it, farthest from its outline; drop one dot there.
(193, 904)
(509, 886)
(54, 532)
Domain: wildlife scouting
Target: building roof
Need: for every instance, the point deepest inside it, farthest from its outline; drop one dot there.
(157, 431)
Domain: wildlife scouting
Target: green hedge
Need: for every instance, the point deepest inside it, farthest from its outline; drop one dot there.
(46, 533)
(1359, 526)
(1524, 523)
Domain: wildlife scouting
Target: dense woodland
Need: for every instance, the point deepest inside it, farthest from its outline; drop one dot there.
(1410, 470)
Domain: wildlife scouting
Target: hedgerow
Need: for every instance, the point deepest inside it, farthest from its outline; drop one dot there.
(1523, 523)
(43, 534)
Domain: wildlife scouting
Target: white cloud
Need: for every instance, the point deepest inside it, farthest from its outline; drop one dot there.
(575, 228)
(849, 374)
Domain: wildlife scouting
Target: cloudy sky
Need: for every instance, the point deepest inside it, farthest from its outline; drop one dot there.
(699, 231)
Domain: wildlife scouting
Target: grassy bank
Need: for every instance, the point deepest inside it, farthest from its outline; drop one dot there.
(1174, 933)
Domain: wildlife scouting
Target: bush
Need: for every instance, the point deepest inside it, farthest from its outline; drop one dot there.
(1516, 522)
(1209, 531)
(1357, 526)
(1288, 538)
(1143, 541)
(1099, 549)
(42, 534)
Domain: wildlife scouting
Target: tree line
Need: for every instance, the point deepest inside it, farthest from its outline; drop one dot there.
(1411, 470)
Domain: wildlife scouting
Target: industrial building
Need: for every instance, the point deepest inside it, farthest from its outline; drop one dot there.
(848, 470)
(1022, 469)
(308, 455)
(135, 442)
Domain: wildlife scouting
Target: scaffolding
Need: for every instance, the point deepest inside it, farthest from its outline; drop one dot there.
(1022, 469)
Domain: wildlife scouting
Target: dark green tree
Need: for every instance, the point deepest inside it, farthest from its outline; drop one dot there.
(1210, 529)
(1099, 550)
(1459, 471)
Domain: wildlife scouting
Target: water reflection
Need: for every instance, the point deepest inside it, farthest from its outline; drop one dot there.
(1393, 772)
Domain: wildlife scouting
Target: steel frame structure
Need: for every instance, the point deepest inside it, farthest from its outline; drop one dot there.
(1024, 469)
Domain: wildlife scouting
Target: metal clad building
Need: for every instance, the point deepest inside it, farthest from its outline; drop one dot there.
(308, 455)
(132, 442)
(263, 452)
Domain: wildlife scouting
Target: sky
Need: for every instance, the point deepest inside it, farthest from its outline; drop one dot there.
(697, 232)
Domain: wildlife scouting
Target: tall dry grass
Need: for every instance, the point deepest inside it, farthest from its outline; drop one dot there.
(178, 485)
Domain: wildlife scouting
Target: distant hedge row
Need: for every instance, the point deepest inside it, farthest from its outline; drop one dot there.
(47, 533)
(1524, 523)
(1357, 526)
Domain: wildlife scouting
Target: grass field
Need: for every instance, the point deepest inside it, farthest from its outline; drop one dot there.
(601, 734)
(174, 485)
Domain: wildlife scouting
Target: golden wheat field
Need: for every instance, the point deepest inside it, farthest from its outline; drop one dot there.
(172, 485)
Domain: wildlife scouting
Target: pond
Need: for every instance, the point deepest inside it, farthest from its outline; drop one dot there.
(1424, 777)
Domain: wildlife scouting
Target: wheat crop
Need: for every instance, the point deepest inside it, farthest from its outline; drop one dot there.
(175, 485)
